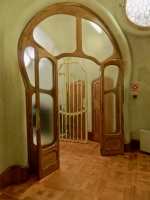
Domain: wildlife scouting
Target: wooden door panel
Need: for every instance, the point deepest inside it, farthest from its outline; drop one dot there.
(112, 137)
(96, 110)
(47, 117)
(49, 160)
(96, 124)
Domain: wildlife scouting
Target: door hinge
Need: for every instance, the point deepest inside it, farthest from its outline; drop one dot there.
(21, 48)
(28, 86)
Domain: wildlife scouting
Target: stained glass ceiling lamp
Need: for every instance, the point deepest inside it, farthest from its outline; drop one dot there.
(138, 12)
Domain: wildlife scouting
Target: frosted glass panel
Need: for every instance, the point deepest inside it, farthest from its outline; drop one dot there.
(29, 64)
(45, 74)
(110, 113)
(111, 73)
(96, 43)
(57, 34)
(46, 119)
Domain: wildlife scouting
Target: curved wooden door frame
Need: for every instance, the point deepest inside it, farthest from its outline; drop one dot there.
(26, 39)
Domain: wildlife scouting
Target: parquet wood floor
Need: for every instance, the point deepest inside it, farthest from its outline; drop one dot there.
(85, 175)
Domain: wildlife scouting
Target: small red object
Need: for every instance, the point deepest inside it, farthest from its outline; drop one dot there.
(134, 87)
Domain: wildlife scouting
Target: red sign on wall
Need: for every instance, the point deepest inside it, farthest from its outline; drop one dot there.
(134, 87)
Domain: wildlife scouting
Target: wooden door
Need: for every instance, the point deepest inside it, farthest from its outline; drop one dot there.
(96, 110)
(96, 96)
(112, 129)
(46, 113)
(76, 103)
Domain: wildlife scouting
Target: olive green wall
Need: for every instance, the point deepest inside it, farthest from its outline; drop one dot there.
(134, 47)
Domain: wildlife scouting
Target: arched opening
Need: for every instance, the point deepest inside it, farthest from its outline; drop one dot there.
(85, 44)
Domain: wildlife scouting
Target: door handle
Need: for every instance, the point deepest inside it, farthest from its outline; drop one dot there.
(123, 109)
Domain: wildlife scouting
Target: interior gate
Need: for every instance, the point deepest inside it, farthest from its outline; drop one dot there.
(72, 83)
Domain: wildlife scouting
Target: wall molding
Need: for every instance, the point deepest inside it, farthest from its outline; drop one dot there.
(14, 174)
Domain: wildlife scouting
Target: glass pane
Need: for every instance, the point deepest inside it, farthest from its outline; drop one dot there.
(57, 34)
(34, 119)
(110, 113)
(111, 73)
(96, 43)
(46, 119)
(45, 74)
(29, 64)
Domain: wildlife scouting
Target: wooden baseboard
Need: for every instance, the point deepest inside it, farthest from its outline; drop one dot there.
(14, 174)
(134, 145)
(90, 136)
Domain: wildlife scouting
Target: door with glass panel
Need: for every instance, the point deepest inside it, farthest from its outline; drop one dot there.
(72, 31)
(112, 140)
(41, 80)
(46, 116)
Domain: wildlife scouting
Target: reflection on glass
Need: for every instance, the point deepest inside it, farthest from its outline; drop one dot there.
(45, 74)
(57, 34)
(111, 73)
(29, 64)
(96, 43)
(46, 119)
(110, 113)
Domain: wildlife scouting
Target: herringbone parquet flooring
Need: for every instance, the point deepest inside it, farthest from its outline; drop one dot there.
(85, 175)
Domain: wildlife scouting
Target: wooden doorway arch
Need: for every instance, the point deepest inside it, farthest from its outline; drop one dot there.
(45, 158)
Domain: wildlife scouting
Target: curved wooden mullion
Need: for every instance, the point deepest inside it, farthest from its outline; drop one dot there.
(26, 39)
(109, 91)
(117, 62)
(78, 54)
(79, 34)
(45, 54)
(72, 9)
(49, 92)
(111, 58)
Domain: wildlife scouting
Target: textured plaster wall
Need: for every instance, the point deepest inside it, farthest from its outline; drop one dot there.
(140, 107)
(14, 17)
(13, 146)
(138, 41)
